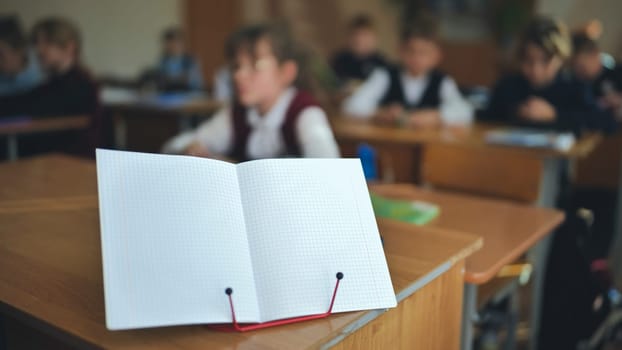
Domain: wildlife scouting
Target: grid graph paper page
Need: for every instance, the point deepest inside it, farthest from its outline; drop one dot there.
(307, 219)
(173, 238)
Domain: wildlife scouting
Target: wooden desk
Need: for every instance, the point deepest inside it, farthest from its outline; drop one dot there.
(405, 145)
(349, 130)
(198, 105)
(509, 230)
(12, 129)
(47, 177)
(134, 113)
(52, 280)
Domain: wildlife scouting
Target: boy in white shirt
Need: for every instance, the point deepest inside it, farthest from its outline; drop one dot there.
(415, 94)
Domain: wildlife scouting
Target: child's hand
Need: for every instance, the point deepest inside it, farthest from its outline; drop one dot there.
(424, 118)
(537, 109)
(196, 149)
(389, 114)
(612, 101)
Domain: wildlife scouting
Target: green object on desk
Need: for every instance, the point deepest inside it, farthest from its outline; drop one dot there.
(414, 212)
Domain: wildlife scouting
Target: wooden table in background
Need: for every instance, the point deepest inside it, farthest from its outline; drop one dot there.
(52, 279)
(150, 122)
(404, 146)
(404, 143)
(509, 230)
(12, 128)
(356, 131)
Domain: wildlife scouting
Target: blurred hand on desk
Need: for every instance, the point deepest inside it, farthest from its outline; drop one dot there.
(395, 114)
(538, 110)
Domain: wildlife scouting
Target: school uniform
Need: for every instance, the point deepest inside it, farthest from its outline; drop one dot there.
(30, 77)
(73, 92)
(70, 93)
(574, 103)
(609, 80)
(348, 66)
(295, 126)
(177, 73)
(390, 86)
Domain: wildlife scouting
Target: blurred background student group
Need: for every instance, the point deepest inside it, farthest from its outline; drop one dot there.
(278, 72)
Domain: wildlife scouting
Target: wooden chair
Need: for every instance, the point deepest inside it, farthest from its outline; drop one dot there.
(601, 168)
(491, 172)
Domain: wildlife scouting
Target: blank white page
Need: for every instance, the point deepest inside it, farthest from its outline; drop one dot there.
(173, 238)
(308, 219)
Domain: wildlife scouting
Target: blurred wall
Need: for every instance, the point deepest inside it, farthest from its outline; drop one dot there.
(121, 37)
(321, 23)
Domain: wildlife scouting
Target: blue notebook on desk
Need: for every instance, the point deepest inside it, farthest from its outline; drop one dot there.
(531, 138)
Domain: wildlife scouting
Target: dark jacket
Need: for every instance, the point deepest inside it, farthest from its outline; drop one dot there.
(574, 102)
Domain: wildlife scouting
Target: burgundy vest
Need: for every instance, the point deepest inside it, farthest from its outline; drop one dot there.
(242, 130)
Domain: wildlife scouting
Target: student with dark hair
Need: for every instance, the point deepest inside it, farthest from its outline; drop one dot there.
(416, 93)
(272, 114)
(361, 56)
(19, 69)
(69, 90)
(177, 69)
(587, 65)
(540, 94)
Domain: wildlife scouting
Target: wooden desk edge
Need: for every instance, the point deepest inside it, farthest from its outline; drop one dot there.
(481, 277)
(370, 315)
(44, 124)
(342, 128)
(46, 327)
(200, 107)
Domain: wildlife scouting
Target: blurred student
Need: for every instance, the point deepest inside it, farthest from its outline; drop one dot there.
(69, 90)
(19, 69)
(177, 69)
(416, 93)
(540, 94)
(605, 82)
(356, 62)
(272, 115)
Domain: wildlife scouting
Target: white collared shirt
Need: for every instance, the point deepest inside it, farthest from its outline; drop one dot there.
(364, 102)
(313, 132)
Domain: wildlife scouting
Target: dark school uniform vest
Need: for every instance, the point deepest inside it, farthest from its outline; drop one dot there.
(395, 93)
(242, 130)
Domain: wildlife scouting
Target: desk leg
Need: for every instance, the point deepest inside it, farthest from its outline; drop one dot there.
(615, 252)
(120, 132)
(11, 148)
(469, 316)
(538, 255)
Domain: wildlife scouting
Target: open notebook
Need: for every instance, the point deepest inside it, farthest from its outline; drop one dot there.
(176, 231)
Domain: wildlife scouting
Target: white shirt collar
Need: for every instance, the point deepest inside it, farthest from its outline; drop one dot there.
(410, 79)
(275, 117)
